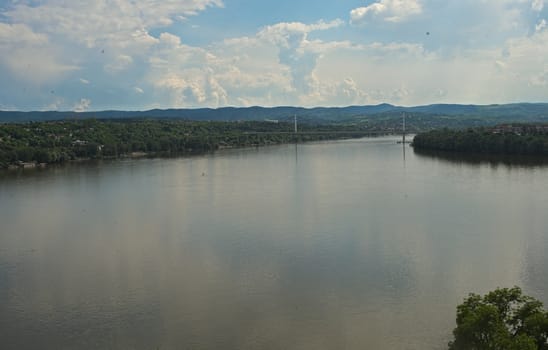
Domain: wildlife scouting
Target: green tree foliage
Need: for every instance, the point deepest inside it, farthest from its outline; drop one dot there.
(59, 141)
(482, 140)
(503, 319)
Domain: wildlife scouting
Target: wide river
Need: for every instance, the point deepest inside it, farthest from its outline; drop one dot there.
(336, 245)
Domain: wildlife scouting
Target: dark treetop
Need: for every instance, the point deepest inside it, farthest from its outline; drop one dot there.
(503, 319)
(60, 141)
(522, 139)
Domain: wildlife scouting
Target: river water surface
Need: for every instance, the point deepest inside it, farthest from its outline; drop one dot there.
(337, 245)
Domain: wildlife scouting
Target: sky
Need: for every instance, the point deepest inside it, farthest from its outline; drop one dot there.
(142, 54)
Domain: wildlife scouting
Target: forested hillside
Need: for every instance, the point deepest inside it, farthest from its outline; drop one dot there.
(420, 117)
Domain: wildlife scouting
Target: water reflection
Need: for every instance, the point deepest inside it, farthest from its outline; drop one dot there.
(257, 248)
(482, 159)
(535, 260)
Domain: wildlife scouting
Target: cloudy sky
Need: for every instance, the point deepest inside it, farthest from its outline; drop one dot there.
(141, 54)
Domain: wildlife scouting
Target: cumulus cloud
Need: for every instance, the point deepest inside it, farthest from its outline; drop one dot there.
(537, 5)
(170, 40)
(526, 60)
(82, 105)
(540, 25)
(282, 33)
(120, 63)
(186, 74)
(39, 35)
(386, 10)
(137, 46)
(30, 55)
(344, 92)
(103, 22)
(292, 42)
(194, 89)
(20, 33)
(272, 67)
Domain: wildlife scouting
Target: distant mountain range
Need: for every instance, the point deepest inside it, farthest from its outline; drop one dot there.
(430, 114)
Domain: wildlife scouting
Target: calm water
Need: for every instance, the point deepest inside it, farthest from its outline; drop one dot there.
(340, 245)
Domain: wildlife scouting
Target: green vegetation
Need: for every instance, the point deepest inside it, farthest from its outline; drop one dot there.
(515, 139)
(60, 141)
(383, 116)
(504, 319)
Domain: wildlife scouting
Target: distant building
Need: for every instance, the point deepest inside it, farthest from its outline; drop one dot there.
(520, 129)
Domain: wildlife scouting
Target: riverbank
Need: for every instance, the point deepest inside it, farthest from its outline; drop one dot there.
(517, 139)
(36, 144)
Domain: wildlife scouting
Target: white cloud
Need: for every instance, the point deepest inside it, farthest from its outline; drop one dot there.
(54, 105)
(194, 89)
(386, 10)
(82, 105)
(297, 72)
(20, 33)
(537, 5)
(526, 62)
(283, 63)
(287, 34)
(120, 63)
(540, 25)
(280, 65)
(338, 93)
(268, 68)
(540, 80)
(40, 35)
(36, 65)
(293, 45)
(104, 22)
(187, 75)
(29, 55)
(170, 39)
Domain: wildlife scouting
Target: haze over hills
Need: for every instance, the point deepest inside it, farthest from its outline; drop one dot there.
(429, 116)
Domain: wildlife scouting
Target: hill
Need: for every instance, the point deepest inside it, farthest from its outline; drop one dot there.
(383, 115)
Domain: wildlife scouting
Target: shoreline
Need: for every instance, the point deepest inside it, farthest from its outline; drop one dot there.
(22, 166)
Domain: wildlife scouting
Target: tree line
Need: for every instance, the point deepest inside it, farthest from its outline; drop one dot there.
(513, 140)
(61, 141)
